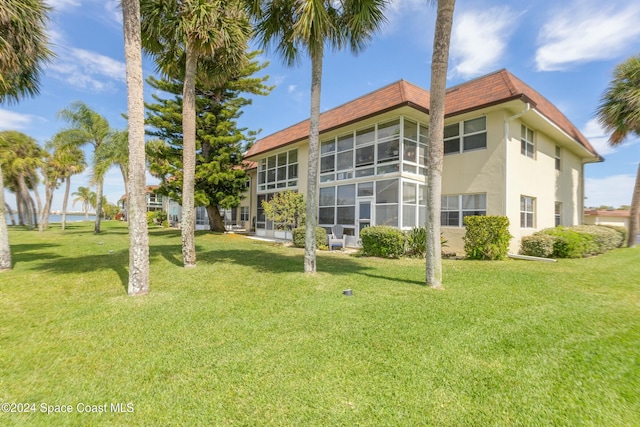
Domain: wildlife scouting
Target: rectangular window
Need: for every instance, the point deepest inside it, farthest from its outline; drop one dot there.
(244, 213)
(409, 204)
(455, 208)
(527, 211)
(558, 213)
(279, 171)
(558, 158)
(527, 148)
(465, 136)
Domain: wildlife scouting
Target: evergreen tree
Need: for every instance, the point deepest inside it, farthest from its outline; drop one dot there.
(220, 177)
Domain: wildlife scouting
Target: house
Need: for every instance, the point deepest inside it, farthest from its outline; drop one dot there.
(508, 151)
(618, 218)
(155, 202)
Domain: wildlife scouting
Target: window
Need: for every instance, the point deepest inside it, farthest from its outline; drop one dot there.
(558, 158)
(409, 204)
(244, 213)
(455, 208)
(279, 171)
(527, 148)
(387, 202)
(558, 213)
(465, 136)
(527, 211)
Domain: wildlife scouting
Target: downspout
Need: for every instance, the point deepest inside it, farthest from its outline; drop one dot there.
(506, 152)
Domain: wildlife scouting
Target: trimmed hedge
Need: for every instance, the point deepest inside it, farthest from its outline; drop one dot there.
(297, 235)
(573, 242)
(487, 237)
(539, 245)
(382, 241)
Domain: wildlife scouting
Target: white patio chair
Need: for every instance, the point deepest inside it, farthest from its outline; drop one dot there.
(337, 237)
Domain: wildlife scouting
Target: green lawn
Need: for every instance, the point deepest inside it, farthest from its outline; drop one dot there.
(246, 339)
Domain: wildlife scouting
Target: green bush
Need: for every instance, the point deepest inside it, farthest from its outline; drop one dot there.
(156, 217)
(416, 242)
(604, 238)
(568, 243)
(297, 235)
(487, 237)
(382, 241)
(540, 245)
(624, 233)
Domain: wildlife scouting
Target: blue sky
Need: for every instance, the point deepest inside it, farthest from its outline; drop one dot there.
(565, 50)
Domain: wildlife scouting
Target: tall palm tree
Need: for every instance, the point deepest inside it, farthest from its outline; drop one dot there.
(22, 156)
(293, 26)
(84, 195)
(88, 127)
(115, 152)
(136, 167)
(72, 162)
(619, 114)
(24, 48)
(180, 34)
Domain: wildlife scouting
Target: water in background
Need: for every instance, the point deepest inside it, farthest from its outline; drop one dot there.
(57, 218)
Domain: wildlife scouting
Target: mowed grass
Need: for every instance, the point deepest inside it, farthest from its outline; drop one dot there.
(247, 339)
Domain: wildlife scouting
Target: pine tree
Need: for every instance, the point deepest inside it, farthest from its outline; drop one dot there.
(220, 177)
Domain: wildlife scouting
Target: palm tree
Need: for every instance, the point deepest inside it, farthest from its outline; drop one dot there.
(71, 161)
(115, 152)
(138, 234)
(619, 113)
(307, 25)
(88, 127)
(24, 48)
(85, 196)
(22, 156)
(180, 34)
(435, 148)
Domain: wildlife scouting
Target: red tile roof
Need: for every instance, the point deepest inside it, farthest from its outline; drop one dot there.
(623, 213)
(495, 88)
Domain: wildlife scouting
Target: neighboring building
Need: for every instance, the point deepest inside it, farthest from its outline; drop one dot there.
(155, 202)
(508, 151)
(618, 218)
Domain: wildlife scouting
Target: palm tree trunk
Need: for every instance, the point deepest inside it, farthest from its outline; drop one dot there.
(26, 202)
(635, 212)
(136, 202)
(435, 149)
(40, 210)
(189, 159)
(125, 178)
(5, 249)
(65, 202)
(47, 206)
(312, 169)
(19, 207)
(99, 185)
(10, 212)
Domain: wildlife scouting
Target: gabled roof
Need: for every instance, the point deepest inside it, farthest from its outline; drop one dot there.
(492, 89)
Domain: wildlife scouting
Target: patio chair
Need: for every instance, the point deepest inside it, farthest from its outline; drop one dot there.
(337, 237)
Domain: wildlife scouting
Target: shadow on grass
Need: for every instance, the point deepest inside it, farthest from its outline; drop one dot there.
(31, 252)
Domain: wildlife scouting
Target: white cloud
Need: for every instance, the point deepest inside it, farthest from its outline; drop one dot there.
(291, 88)
(10, 120)
(615, 190)
(599, 138)
(113, 10)
(88, 70)
(478, 39)
(63, 4)
(584, 32)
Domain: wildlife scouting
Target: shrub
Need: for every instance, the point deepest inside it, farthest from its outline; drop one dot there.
(156, 217)
(382, 241)
(487, 237)
(416, 242)
(624, 233)
(568, 243)
(605, 239)
(297, 235)
(540, 245)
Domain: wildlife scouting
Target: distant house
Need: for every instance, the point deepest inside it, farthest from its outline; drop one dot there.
(155, 202)
(607, 217)
(508, 151)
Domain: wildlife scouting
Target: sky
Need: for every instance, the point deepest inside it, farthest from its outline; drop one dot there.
(565, 50)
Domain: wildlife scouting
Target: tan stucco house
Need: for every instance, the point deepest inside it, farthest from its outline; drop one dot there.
(618, 217)
(508, 151)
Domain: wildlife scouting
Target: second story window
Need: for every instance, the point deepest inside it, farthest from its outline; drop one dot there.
(527, 148)
(465, 136)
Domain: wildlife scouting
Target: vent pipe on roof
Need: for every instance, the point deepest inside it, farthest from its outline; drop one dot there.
(506, 152)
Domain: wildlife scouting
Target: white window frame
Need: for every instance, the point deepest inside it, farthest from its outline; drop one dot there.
(558, 213)
(462, 136)
(558, 158)
(463, 212)
(527, 144)
(527, 216)
(265, 185)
